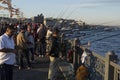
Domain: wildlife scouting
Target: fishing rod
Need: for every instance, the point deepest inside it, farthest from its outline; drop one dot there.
(68, 14)
(93, 34)
(99, 32)
(71, 12)
(103, 38)
(62, 13)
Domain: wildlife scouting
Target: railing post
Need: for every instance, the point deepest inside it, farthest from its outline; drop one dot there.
(61, 38)
(74, 41)
(61, 42)
(109, 70)
(75, 55)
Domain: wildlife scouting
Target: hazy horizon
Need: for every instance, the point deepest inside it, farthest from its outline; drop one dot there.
(100, 12)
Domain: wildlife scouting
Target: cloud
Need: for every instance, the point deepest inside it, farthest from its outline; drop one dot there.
(110, 1)
(113, 2)
(95, 4)
(86, 5)
(90, 5)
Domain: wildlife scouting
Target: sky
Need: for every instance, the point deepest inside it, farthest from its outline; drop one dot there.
(100, 12)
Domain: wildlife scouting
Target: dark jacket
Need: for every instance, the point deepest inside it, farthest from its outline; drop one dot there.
(55, 47)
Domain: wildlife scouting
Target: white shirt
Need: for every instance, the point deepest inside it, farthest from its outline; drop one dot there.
(48, 33)
(39, 29)
(84, 55)
(18, 28)
(6, 42)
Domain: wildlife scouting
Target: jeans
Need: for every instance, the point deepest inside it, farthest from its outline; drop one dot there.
(24, 53)
(31, 50)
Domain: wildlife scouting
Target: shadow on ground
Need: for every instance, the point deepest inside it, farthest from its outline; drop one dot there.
(39, 70)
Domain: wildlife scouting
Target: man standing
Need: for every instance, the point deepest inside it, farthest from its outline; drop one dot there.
(23, 48)
(78, 54)
(30, 43)
(7, 54)
(41, 39)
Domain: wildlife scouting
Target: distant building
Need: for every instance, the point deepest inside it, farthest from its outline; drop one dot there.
(59, 22)
(39, 19)
(50, 22)
(53, 22)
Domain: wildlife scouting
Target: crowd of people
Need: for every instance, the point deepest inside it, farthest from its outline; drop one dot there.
(25, 40)
(20, 40)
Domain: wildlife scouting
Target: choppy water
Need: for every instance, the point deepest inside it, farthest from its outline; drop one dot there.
(103, 41)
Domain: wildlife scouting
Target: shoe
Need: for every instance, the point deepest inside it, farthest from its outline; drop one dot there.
(39, 55)
(42, 56)
(28, 68)
(36, 54)
(19, 68)
(15, 65)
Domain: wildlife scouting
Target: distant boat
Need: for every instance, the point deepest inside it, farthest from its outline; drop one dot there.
(108, 29)
(65, 28)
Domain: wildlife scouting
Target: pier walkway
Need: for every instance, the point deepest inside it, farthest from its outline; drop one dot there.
(39, 70)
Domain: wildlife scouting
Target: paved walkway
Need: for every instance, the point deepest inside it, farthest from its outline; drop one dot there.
(39, 71)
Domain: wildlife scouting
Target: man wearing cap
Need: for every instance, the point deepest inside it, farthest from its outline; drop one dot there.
(7, 54)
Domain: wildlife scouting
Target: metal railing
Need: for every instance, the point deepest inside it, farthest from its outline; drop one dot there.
(99, 67)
